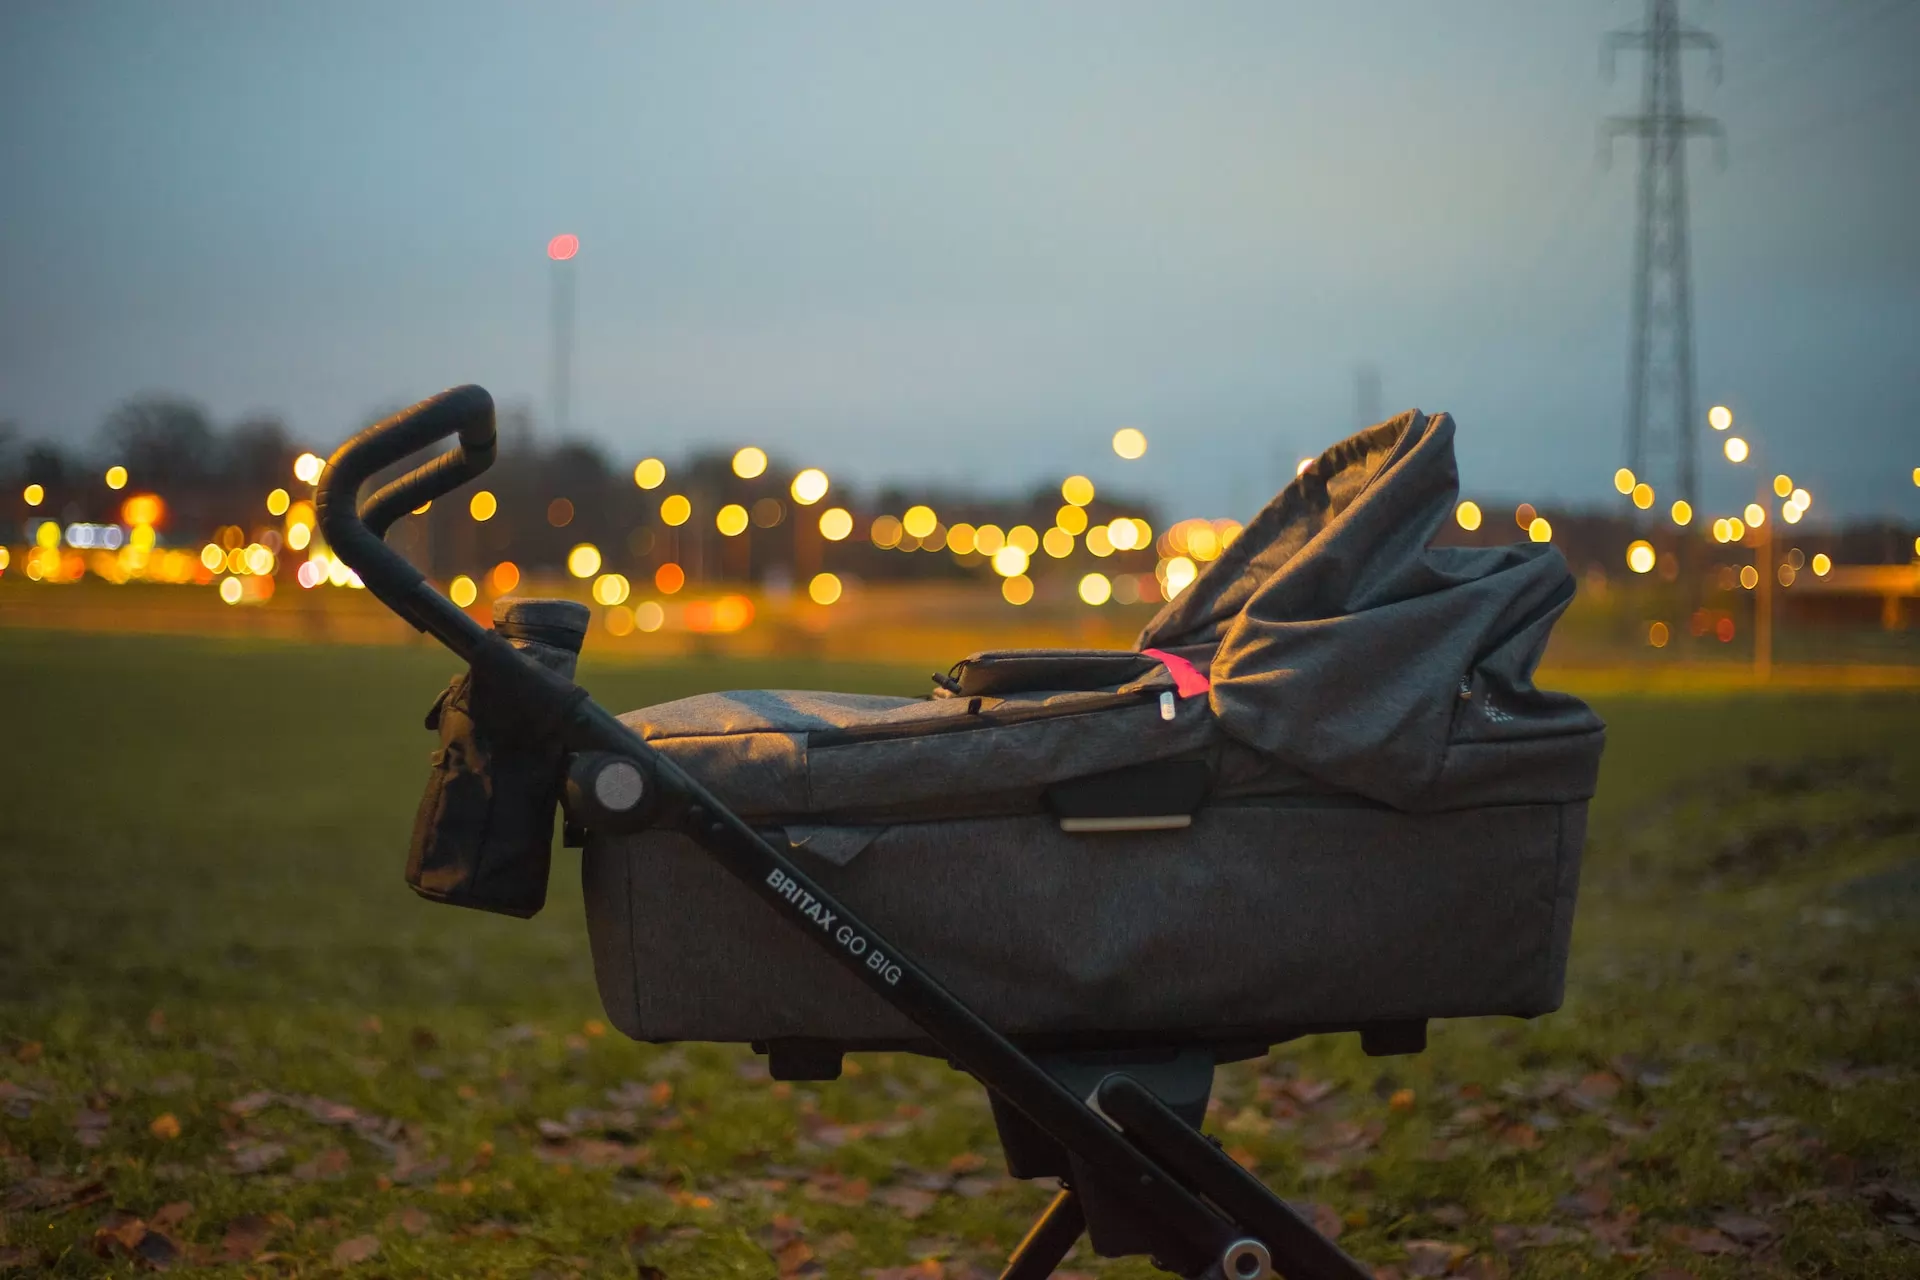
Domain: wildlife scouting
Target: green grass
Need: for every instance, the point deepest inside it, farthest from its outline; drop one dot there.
(200, 846)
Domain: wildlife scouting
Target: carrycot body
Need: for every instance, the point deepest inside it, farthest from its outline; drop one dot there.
(1322, 793)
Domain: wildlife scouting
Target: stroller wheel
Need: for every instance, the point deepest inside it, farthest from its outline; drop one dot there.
(1246, 1259)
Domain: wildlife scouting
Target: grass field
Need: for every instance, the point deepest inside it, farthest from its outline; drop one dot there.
(230, 1038)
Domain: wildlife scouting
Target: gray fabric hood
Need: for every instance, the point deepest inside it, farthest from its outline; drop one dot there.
(1339, 642)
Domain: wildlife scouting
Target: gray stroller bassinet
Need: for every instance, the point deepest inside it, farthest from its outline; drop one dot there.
(1321, 794)
(1324, 793)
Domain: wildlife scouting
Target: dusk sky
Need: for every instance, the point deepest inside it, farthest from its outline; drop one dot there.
(964, 243)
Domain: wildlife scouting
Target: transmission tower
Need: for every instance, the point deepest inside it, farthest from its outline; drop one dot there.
(1660, 390)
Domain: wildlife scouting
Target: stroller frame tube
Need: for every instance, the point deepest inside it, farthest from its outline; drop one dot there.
(1194, 1237)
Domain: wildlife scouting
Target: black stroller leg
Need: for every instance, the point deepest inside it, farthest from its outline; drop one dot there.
(1298, 1251)
(1053, 1236)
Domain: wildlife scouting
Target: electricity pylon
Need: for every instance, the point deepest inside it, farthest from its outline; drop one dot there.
(1660, 384)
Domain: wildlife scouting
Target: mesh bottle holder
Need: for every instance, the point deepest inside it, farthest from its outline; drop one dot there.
(483, 836)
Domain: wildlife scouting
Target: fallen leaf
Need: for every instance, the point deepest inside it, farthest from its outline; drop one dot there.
(908, 1202)
(158, 1250)
(1596, 1089)
(967, 1162)
(1432, 1257)
(1590, 1202)
(1508, 1239)
(246, 1236)
(1324, 1217)
(55, 1195)
(250, 1155)
(357, 1249)
(329, 1165)
(171, 1215)
(157, 1023)
(1401, 1100)
(1740, 1227)
(1702, 1240)
(595, 1028)
(250, 1103)
(1309, 1092)
(792, 1255)
(414, 1220)
(165, 1126)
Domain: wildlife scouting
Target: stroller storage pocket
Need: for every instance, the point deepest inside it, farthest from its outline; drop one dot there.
(483, 836)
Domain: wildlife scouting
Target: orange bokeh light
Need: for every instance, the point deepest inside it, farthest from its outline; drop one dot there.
(669, 578)
(505, 577)
(143, 508)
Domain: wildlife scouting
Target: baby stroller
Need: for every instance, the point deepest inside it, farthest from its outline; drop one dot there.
(1323, 795)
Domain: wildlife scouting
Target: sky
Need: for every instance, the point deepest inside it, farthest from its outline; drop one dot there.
(965, 243)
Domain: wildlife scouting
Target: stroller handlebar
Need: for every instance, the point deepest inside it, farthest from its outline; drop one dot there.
(355, 530)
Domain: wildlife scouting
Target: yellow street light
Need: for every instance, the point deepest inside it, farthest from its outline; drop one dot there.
(731, 520)
(1467, 515)
(462, 591)
(1640, 557)
(650, 473)
(1720, 417)
(1683, 512)
(1130, 443)
(919, 521)
(836, 523)
(482, 505)
(584, 560)
(809, 487)
(1096, 589)
(1643, 495)
(824, 589)
(116, 477)
(35, 495)
(1822, 565)
(1782, 486)
(675, 510)
(1077, 490)
(1623, 480)
(749, 462)
(1735, 449)
(278, 501)
(1540, 530)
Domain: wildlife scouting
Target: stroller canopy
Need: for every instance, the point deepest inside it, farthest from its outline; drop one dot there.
(1344, 654)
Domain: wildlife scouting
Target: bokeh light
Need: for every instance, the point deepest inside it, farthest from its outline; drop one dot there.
(35, 495)
(824, 589)
(231, 590)
(307, 468)
(116, 477)
(749, 462)
(1467, 515)
(560, 512)
(648, 616)
(1801, 499)
(675, 510)
(1682, 512)
(809, 486)
(462, 591)
(1640, 556)
(1130, 443)
(1720, 417)
(1072, 519)
(1025, 537)
(1822, 564)
(1658, 635)
(584, 560)
(1121, 533)
(504, 578)
(1540, 530)
(836, 523)
(1643, 495)
(1176, 575)
(1623, 480)
(988, 539)
(919, 521)
(1056, 542)
(1736, 449)
(1756, 515)
(1782, 486)
(1749, 576)
(668, 579)
(884, 532)
(1010, 561)
(619, 620)
(1524, 514)
(482, 505)
(650, 473)
(1077, 490)
(563, 247)
(731, 520)
(1099, 541)
(1017, 589)
(960, 539)
(611, 589)
(278, 501)
(1096, 588)
(1735, 529)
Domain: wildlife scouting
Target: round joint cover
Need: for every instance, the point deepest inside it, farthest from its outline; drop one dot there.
(1246, 1260)
(619, 786)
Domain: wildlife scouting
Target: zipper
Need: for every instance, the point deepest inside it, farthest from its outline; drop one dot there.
(975, 720)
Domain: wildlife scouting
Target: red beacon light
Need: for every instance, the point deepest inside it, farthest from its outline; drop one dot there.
(560, 248)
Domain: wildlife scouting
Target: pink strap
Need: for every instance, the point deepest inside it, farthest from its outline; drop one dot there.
(1186, 677)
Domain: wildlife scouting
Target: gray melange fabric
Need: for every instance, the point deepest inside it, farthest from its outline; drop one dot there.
(1338, 641)
(1392, 829)
(1261, 919)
